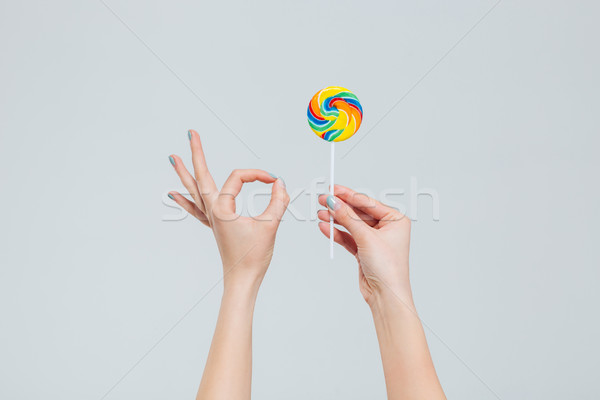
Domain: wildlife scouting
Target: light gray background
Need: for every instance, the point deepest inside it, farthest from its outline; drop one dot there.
(504, 128)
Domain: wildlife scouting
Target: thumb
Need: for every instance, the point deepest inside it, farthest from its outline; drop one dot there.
(346, 216)
(278, 204)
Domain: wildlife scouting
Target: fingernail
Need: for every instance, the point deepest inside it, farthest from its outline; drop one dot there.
(172, 160)
(272, 175)
(171, 196)
(332, 203)
(190, 135)
(281, 181)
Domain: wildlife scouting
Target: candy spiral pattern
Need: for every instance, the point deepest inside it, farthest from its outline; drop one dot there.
(334, 114)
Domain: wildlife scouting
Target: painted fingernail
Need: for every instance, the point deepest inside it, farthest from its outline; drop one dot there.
(172, 160)
(171, 196)
(272, 175)
(332, 203)
(281, 181)
(190, 135)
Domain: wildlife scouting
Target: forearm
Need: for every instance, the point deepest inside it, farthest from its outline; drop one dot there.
(228, 371)
(408, 368)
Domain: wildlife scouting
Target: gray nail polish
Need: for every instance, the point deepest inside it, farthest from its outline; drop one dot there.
(171, 196)
(190, 135)
(172, 160)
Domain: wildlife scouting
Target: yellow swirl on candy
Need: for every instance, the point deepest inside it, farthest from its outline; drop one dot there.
(334, 114)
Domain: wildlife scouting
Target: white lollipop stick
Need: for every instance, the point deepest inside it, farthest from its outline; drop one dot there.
(331, 193)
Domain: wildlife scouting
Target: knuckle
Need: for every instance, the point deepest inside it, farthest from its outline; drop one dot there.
(395, 214)
(404, 220)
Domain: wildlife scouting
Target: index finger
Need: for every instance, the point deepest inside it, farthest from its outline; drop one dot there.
(366, 204)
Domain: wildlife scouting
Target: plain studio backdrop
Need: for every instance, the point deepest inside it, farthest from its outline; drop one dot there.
(485, 112)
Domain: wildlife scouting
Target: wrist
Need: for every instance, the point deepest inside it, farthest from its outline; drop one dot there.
(388, 299)
(245, 278)
(243, 290)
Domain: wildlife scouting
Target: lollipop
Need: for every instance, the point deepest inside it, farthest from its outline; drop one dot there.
(334, 114)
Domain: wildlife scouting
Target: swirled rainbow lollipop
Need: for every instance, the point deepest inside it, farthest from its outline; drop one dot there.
(334, 114)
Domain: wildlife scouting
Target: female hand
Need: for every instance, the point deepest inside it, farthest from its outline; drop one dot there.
(379, 237)
(245, 243)
(246, 247)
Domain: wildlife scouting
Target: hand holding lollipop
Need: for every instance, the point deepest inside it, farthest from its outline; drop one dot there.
(334, 114)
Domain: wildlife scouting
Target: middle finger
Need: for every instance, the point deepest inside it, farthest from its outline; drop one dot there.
(188, 181)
